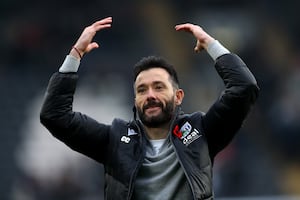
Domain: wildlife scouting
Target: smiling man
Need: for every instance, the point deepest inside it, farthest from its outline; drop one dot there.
(162, 153)
(156, 94)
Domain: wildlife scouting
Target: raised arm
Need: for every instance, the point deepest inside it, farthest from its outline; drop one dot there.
(77, 130)
(226, 115)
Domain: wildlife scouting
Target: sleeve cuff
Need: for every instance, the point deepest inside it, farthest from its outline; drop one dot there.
(70, 64)
(215, 49)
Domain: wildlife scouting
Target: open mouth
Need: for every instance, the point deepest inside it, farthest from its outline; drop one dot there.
(152, 107)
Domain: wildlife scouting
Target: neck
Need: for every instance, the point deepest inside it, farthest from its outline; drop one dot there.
(157, 133)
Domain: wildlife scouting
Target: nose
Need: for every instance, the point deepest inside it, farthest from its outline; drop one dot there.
(151, 94)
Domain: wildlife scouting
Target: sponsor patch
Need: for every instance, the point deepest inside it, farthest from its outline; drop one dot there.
(186, 133)
(194, 135)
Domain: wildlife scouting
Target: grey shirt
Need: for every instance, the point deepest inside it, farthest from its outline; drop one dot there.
(161, 176)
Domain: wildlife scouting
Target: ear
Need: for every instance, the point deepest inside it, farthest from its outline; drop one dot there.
(179, 94)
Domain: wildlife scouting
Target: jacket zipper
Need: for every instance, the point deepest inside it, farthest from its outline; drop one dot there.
(140, 161)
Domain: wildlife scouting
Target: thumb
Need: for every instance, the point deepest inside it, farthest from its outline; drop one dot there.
(91, 46)
(198, 47)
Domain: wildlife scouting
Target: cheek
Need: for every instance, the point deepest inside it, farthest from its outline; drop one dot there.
(138, 101)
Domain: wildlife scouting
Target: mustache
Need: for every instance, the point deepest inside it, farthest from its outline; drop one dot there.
(152, 103)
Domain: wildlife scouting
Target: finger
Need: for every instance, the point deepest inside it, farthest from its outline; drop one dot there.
(105, 21)
(98, 27)
(198, 47)
(183, 25)
(186, 27)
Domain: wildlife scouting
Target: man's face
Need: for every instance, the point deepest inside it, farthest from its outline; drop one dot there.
(155, 97)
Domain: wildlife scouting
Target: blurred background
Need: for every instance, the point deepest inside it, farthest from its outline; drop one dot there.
(262, 162)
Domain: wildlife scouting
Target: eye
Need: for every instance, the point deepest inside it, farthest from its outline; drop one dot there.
(141, 90)
(159, 87)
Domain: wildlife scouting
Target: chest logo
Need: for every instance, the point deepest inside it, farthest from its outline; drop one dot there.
(186, 133)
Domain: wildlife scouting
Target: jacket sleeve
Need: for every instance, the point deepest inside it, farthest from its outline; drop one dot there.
(226, 115)
(78, 131)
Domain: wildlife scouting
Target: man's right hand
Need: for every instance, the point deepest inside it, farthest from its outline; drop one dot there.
(85, 44)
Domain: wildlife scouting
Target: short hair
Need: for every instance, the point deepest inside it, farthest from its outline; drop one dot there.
(155, 62)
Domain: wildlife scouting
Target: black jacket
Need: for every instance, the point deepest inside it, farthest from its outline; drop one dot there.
(197, 137)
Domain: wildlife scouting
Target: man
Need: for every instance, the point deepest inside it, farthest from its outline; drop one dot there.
(164, 154)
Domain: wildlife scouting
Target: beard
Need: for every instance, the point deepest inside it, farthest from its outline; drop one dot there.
(164, 117)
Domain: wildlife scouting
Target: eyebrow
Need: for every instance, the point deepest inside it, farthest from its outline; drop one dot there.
(152, 83)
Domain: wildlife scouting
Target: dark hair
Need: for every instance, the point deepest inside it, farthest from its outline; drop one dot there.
(155, 62)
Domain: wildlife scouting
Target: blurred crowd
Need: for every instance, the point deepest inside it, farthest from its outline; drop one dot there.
(264, 158)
